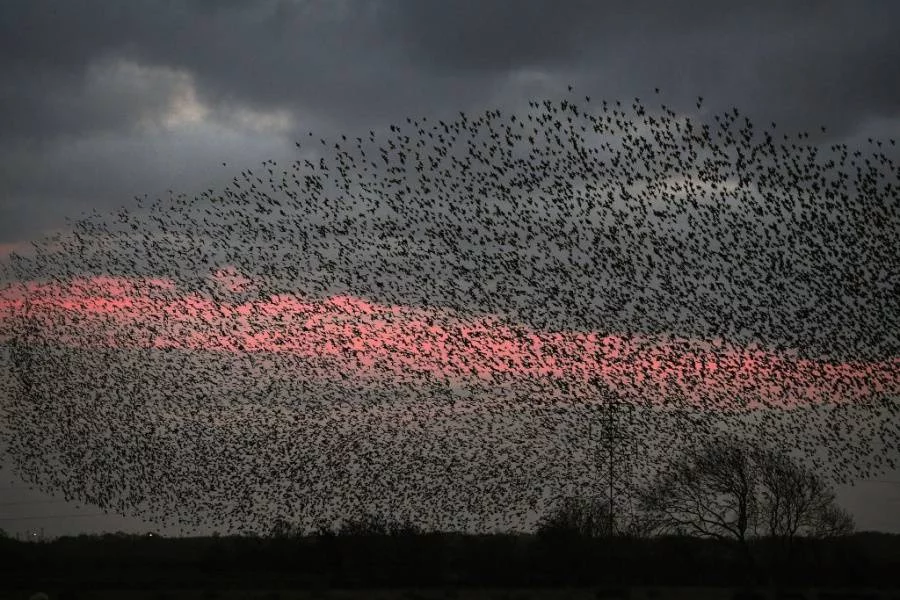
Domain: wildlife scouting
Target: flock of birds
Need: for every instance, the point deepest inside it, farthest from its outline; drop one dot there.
(402, 328)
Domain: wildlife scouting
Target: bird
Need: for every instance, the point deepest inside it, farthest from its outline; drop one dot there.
(446, 324)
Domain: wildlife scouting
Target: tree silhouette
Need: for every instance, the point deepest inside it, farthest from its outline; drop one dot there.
(732, 491)
(590, 517)
(577, 516)
(375, 524)
(795, 500)
(708, 491)
(282, 528)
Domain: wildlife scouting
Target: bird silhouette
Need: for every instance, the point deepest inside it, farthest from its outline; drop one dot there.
(447, 321)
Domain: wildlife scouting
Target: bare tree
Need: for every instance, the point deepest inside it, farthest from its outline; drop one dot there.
(587, 517)
(731, 491)
(709, 492)
(832, 521)
(370, 523)
(282, 528)
(590, 517)
(796, 501)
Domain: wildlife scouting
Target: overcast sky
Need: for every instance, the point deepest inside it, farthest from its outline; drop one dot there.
(103, 101)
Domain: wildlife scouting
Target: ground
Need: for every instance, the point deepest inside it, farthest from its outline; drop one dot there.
(653, 593)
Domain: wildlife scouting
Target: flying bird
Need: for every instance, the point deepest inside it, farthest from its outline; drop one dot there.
(445, 322)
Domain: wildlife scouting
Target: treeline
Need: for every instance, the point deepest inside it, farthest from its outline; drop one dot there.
(406, 559)
(725, 513)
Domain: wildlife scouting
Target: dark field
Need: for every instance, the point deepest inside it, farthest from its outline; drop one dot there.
(637, 593)
(440, 566)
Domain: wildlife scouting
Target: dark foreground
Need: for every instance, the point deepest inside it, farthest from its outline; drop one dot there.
(637, 593)
(442, 565)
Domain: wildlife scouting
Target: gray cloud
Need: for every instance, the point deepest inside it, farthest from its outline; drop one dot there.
(96, 71)
(807, 62)
(104, 100)
(373, 59)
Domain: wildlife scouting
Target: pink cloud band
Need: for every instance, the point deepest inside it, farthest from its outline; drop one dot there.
(402, 343)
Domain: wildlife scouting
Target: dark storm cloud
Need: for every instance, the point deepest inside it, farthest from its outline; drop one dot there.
(313, 55)
(809, 62)
(77, 71)
(356, 60)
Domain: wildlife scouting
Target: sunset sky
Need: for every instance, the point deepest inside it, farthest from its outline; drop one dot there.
(107, 101)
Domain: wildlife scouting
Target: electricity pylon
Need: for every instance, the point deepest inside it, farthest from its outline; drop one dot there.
(618, 448)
